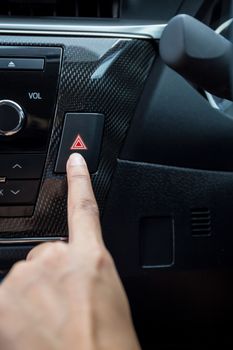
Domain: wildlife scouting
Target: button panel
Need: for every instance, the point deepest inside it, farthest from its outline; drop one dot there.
(29, 76)
(82, 133)
(19, 192)
(27, 102)
(35, 90)
(21, 166)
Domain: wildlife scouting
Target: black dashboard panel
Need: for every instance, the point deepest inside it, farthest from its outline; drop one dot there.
(155, 9)
(178, 127)
(98, 75)
(34, 89)
(188, 302)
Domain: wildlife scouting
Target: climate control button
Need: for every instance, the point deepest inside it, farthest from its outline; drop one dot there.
(11, 117)
(19, 192)
(21, 166)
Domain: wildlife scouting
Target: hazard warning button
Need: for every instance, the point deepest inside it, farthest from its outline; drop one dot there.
(82, 133)
(78, 144)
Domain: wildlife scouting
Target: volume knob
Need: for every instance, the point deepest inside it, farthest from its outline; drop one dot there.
(11, 117)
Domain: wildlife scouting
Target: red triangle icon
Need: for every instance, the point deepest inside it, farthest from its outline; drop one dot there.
(78, 144)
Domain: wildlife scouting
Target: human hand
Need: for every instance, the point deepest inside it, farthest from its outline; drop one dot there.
(68, 295)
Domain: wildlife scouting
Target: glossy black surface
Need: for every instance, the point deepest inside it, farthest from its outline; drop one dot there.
(9, 118)
(22, 166)
(35, 91)
(19, 192)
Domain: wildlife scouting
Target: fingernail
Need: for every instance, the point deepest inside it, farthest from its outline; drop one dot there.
(76, 159)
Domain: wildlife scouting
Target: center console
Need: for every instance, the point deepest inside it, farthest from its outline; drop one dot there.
(28, 93)
(61, 94)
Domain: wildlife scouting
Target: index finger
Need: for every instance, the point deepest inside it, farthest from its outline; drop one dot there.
(83, 213)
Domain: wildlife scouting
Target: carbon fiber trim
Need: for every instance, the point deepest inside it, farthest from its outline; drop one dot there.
(100, 76)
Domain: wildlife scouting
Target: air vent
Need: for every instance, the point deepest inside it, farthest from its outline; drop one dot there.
(60, 8)
(201, 222)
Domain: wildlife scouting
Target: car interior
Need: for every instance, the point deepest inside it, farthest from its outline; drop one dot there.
(143, 89)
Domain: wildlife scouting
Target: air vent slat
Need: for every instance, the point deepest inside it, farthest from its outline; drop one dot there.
(201, 213)
(59, 8)
(200, 228)
(201, 218)
(201, 222)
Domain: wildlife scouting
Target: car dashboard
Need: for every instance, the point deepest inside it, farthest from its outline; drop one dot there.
(89, 78)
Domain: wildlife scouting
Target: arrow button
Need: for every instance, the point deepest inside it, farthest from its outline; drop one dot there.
(11, 64)
(17, 166)
(15, 192)
(19, 192)
(21, 166)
